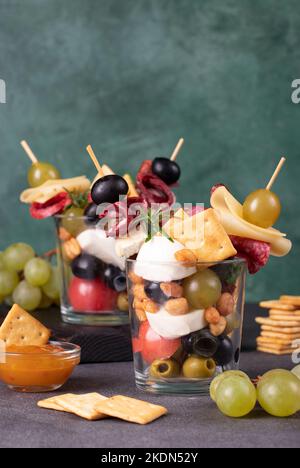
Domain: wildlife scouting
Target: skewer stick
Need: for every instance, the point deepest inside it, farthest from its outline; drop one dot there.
(95, 160)
(276, 173)
(177, 149)
(29, 152)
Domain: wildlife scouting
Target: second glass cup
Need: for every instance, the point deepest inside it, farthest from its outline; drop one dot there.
(188, 331)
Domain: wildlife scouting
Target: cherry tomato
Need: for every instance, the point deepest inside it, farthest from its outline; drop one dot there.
(152, 346)
(91, 295)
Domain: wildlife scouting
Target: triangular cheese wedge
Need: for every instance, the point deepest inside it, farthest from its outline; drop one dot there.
(49, 189)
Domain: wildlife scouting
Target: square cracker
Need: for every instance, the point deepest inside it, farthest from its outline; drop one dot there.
(131, 410)
(291, 300)
(81, 405)
(278, 334)
(274, 340)
(50, 403)
(21, 329)
(285, 317)
(286, 313)
(206, 237)
(278, 323)
(284, 330)
(175, 226)
(276, 305)
(263, 349)
(278, 346)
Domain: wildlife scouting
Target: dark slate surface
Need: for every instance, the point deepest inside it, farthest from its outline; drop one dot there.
(191, 423)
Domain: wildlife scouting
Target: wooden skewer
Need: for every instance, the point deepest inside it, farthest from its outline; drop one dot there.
(276, 173)
(177, 149)
(29, 152)
(95, 160)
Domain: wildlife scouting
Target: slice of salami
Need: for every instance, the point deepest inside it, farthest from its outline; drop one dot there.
(52, 207)
(151, 187)
(256, 253)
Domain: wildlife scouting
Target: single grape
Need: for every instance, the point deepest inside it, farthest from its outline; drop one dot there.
(262, 208)
(41, 172)
(51, 288)
(217, 380)
(2, 264)
(17, 255)
(37, 272)
(9, 301)
(26, 296)
(203, 289)
(236, 396)
(8, 282)
(279, 393)
(73, 220)
(296, 371)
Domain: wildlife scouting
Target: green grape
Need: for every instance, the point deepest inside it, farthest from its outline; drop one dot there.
(8, 282)
(45, 302)
(236, 396)
(233, 323)
(279, 393)
(217, 380)
(37, 272)
(296, 371)
(73, 221)
(262, 208)
(9, 301)
(17, 255)
(51, 288)
(2, 264)
(26, 296)
(203, 289)
(40, 172)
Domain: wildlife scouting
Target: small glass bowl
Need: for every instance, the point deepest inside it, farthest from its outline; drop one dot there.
(39, 372)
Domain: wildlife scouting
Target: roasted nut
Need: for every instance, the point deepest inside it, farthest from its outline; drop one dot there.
(141, 315)
(172, 289)
(150, 306)
(122, 302)
(225, 304)
(135, 279)
(137, 304)
(139, 292)
(71, 249)
(212, 316)
(64, 235)
(177, 306)
(187, 256)
(219, 328)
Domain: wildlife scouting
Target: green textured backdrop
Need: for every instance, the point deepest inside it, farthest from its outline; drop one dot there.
(131, 77)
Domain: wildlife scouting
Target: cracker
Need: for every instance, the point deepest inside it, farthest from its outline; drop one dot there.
(274, 340)
(21, 329)
(277, 346)
(283, 330)
(50, 403)
(206, 237)
(81, 405)
(131, 410)
(286, 313)
(276, 305)
(277, 323)
(263, 349)
(277, 334)
(291, 300)
(285, 318)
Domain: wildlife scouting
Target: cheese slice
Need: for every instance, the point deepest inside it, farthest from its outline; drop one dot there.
(230, 212)
(49, 189)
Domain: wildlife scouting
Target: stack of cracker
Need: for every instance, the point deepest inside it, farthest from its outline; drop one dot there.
(280, 332)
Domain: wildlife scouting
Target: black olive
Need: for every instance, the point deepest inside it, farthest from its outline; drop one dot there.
(86, 266)
(155, 293)
(201, 343)
(225, 352)
(109, 189)
(115, 278)
(166, 170)
(91, 214)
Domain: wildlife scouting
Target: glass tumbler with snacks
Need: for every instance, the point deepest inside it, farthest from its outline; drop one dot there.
(186, 322)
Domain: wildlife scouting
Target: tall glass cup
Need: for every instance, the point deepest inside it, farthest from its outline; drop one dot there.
(185, 332)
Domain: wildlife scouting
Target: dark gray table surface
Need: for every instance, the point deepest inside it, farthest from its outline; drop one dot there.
(191, 423)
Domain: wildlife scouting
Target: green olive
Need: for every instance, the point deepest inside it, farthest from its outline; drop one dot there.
(164, 368)
(122, 302)
(40, 172)
(198, 368)
(73, 221)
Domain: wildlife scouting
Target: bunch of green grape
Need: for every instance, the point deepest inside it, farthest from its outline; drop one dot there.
(27, 280)
(278, 393)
